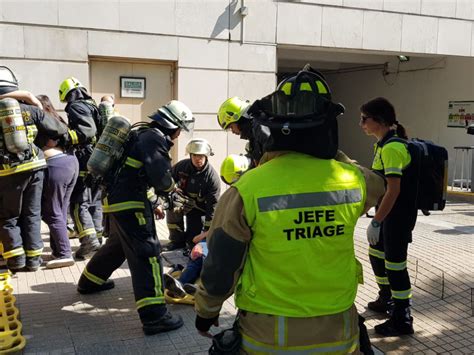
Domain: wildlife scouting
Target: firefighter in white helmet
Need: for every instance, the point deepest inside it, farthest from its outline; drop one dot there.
(199, 183)
(129, 216)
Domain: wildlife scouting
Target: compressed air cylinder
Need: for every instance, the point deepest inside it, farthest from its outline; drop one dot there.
(106, 110)
(13, 126)
(110, 146)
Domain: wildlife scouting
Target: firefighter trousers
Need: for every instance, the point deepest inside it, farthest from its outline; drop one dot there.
(86, 210)
(389, 262)
(132, 237)
(178, 232)
(20, 215)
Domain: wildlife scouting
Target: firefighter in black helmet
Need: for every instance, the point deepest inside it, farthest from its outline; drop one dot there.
(21, 176)
(270, 240)
(130, 220)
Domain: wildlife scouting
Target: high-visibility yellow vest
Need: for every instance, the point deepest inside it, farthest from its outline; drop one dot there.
(302, 212)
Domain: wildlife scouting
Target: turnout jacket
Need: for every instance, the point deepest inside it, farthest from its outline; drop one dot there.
(229, 240)
(39, 126)
(203, 186)
(147, 164)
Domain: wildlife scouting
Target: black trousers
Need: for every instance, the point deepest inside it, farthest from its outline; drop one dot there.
(389, 261)
(20, 214)
(178, 232)
(132, 236)
(86, 210)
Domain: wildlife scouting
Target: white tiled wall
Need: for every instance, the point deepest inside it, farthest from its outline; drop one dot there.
(454, 37)
(203, 53)
(342, 28)
(127, 45)
(382, 31)
(55, 43)
(426, 40)
(12, 41)
(299, 24)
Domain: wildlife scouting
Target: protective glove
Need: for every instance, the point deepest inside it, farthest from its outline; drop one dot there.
(180, 203)
(373, 232)
(204, 324)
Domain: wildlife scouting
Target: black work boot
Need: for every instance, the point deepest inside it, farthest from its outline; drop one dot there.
(400, 323)
(165, 323)
(16, 263)
(174, 245)
(89, 245)
(381, 305)
(33, 263)
(384, 303)
(85, 286)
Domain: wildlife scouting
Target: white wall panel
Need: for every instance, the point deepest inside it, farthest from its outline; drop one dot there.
(259, 24)
(202, 18)
(252, 57)
(342, 28)
(442, 8)
(465, 9)
(365, 4)
(203, 53)
(408, 6)
(426, 30)
(147, 16)
(30, 11)
(12, 41)
(299, 24)
(203, 91)
(55, 43)
(89, 14)
(454, 37)
(133, 45)
(382, 31)
(251, 86)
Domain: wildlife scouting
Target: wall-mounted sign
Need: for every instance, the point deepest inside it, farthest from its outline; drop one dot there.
(132, 87)
(460, 113)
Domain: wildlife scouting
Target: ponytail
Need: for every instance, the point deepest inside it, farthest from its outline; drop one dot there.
(401, 131)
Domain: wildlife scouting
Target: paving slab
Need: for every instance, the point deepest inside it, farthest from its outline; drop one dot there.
(58, 320)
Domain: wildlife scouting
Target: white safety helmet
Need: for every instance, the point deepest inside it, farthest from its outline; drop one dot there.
(174, 115)
(8, 80)
(199, 146)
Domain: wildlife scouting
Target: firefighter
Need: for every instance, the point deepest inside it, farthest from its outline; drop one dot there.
(129, 216)
(85, 127)
(284, 234)
(233, 167)
(198, 181)
(390, 230)
(21, 177)
(235, 115)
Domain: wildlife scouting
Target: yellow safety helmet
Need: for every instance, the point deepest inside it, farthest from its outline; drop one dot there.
(233, 167)
(231, 111)
(68, 85)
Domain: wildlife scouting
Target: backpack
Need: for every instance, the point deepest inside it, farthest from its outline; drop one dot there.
(430, 162)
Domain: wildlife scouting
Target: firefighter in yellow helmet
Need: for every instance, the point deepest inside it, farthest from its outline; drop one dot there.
(235, 115)
(282, 236)
(233, 167)
(85, 128)
(199, 183)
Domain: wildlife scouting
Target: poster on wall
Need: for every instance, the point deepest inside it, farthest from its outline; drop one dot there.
(132, 87)
(460, 113)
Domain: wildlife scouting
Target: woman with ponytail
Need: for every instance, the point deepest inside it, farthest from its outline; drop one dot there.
(390, 231)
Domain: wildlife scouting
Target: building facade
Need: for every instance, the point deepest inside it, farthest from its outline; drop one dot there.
(204, 51)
